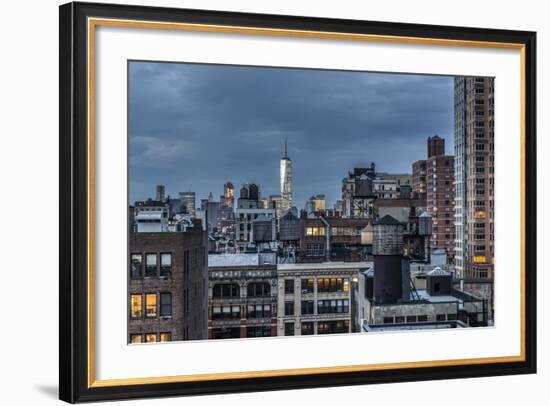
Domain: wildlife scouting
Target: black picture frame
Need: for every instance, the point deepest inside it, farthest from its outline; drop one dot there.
(74, 199)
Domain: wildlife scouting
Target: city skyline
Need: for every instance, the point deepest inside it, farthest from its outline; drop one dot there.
(175, 141)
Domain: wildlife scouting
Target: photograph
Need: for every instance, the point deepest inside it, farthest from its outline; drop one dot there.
(282, 201)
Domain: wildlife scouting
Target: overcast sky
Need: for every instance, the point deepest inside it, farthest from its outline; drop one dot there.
(193, 127)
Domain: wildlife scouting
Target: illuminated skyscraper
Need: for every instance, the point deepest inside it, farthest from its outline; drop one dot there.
(286, 183)
(474, 177)
(229, 194)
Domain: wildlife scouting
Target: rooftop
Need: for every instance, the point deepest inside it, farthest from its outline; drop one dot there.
(149, 215)
(325, 265)
(436, 299)
(387, 220)
(236, 260)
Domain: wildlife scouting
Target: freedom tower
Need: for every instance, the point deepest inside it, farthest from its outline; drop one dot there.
(286, 183)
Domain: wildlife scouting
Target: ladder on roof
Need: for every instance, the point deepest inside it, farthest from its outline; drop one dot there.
(414, 293)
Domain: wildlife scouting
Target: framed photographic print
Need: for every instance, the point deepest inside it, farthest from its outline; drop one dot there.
(256, 202)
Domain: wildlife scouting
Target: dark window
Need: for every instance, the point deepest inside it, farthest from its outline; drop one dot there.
(422, 318)
(165, 304)
(150, 265)
(258, 310)
(440, 317)
(289, 329)
(226, 312)
(437, 288)
(451, 316)
(307, 306)
(226, 290)
(333, 327)
(258, 331)
(400, 319)
(332, 306)
(165, 264)
(136, 265)
(258, 289)
(289, 308)
(315, 250)
(411, 319)
(289, 286)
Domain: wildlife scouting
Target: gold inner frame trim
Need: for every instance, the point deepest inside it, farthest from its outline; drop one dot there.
(94, 22)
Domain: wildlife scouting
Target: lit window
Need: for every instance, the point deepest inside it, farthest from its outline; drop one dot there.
(479, 259)
(135, 338)
(151, 338)
(165, 337)
(151, 305)
(315, 231)
(135, 306)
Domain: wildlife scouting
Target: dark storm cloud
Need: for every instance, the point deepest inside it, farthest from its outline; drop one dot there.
(194, 127)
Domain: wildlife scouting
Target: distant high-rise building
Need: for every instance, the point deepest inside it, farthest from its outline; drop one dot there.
(229, 194)
(286, 182)
(419, 176)
(188, 202)
(474, 176)
(315, 203)
(249, 197)
(160, 193)
(436, 146)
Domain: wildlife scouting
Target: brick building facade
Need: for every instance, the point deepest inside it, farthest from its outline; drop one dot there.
(167, 282)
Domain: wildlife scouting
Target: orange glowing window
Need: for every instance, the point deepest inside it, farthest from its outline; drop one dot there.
(479, 259)
(135, 306)
(151, 305)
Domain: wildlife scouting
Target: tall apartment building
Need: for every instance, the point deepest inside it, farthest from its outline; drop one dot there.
(474, 173)
(440, 200)
(433, 182)
(167, 286)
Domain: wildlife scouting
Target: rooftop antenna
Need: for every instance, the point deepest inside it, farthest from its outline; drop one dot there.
(286, 155)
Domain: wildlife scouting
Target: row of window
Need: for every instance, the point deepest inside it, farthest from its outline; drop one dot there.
(418, 318)
(233, 290)
(234, 312)
(323, 307)
(152, 268)
(324, 285)
(155, 304)
(150, 338)
(323, 327)
(315, 231)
